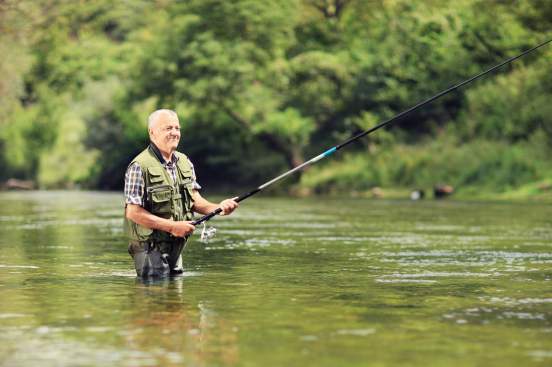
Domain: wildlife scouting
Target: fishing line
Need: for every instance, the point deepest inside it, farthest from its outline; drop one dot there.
(364, 133)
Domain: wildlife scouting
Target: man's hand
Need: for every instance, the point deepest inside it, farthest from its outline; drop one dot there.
(202, 206)
(228, 206)
(139, 215)
(181, 229)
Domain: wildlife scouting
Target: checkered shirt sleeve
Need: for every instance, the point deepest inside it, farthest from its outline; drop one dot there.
(134, 185)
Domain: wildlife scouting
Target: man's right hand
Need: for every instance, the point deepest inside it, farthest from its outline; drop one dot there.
(182, 229)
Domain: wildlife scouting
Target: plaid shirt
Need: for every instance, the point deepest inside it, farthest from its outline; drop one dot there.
(134, 180)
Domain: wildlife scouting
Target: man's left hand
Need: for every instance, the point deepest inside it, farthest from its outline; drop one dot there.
(228, 206)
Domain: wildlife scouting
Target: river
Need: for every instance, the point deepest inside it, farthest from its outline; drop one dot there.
(286, 282)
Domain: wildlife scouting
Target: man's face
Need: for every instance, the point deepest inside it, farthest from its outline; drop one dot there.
(165, 133)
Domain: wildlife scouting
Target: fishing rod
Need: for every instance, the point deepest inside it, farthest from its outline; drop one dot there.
(366, 132)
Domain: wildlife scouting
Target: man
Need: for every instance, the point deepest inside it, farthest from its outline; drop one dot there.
(161, 194)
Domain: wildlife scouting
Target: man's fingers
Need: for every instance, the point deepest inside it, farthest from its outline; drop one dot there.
(228, 206)
(182, 229)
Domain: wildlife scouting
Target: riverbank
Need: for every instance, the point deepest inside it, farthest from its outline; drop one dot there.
(535, 192)
(464, 170)
(479, 169)
(540, 192)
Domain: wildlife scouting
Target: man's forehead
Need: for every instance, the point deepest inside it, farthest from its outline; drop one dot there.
(166, 119)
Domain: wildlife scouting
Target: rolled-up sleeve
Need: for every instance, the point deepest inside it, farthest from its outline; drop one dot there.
(134, 185)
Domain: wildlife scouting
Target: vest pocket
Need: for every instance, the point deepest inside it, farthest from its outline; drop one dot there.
(156, 179)
(143, 232)
(187, 196)
(161, 200)
(155, 175)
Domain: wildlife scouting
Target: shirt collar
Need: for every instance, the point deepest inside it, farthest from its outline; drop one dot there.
(153, 148)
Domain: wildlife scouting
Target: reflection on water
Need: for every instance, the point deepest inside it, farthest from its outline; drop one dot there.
(319, 282)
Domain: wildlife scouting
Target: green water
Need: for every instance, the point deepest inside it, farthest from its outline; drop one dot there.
(286, 282)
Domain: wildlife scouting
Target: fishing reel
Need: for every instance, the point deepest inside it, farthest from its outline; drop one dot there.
(207, 233)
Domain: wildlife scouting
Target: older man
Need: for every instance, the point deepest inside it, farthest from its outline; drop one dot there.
(161, 194)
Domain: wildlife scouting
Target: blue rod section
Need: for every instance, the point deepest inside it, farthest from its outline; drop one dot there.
(329, 151)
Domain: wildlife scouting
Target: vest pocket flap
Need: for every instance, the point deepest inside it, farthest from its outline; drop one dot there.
(160, 196)
(185, 169)
(177, 196)
(155, 174)
(143, 232)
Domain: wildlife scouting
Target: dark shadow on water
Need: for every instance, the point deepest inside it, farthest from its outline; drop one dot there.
(169, 281)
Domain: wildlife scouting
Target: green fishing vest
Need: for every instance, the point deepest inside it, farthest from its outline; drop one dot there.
(163, 197)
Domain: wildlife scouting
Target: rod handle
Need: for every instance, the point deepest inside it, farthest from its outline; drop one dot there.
(207, 217)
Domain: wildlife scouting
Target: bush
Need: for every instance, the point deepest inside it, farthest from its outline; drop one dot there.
(491, 166)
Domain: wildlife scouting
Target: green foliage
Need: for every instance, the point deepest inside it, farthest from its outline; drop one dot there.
(288, 123)
(262, 86)
(491, 166)
(513, 107)
(69, 45)
(29, 132)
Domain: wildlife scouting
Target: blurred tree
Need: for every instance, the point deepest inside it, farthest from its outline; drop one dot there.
(56, 49)
(513, 107)
(260, 86)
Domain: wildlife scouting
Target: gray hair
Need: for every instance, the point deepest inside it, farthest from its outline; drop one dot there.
(155, 114)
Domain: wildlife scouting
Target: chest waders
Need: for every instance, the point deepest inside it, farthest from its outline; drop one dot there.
(158, 253)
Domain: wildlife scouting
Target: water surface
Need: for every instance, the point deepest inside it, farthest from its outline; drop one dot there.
(296, 282)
